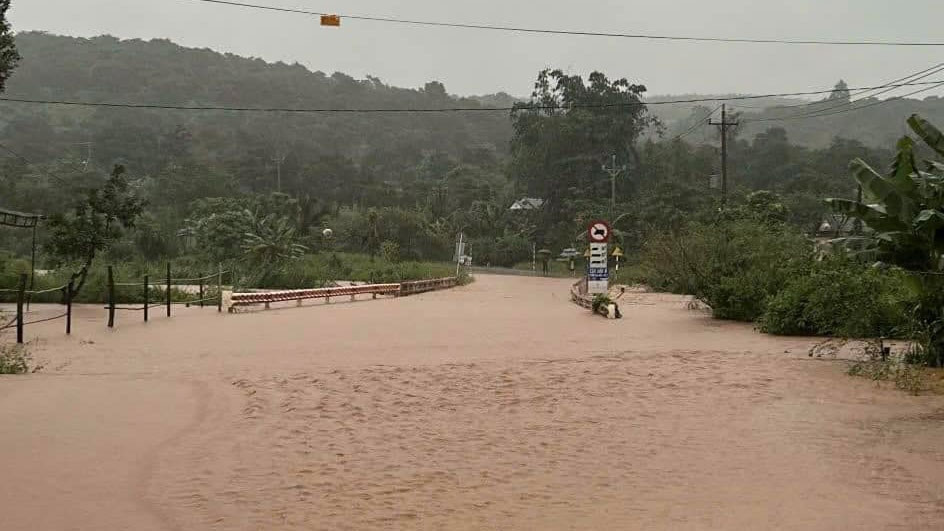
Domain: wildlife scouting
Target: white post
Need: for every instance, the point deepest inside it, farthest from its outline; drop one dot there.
(459, 255)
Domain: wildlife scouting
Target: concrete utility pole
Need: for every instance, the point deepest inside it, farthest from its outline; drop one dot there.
(614, 172)
(88, 154)
(278, 160)
(724, 124)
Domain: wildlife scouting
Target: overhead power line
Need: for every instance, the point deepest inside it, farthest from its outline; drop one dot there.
(875, 103)
(523, 106)
(518, 29)
(700, 123)
(58, 179)
(861, 95)
(857, 93)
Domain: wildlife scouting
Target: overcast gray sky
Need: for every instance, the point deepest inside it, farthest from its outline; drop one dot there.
(478, 62)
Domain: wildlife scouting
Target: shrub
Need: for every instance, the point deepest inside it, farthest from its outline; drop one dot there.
(733, 266)
(14, 359)
(390, 251)
(840, 297)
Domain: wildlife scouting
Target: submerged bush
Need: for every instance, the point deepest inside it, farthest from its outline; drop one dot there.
(14, 359)
(840, 297)
(734, 267)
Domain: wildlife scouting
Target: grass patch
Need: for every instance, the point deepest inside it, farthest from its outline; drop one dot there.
(15, 359)
(310, 271)
(905, 376)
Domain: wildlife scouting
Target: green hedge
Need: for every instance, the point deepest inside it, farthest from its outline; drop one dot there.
(840, 297)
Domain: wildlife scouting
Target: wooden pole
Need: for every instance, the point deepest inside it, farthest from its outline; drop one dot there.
(146, 301)
(32, 266)
(20, 297)
(167, 295)
(111, 297)
(201, 290)
(219, 288)
(69, 290)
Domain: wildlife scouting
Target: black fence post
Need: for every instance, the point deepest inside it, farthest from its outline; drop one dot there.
(219, 288)
(146, 301)
(168, 289)
(201, 290)
(69, 290)
(111, 297)
(20, 297)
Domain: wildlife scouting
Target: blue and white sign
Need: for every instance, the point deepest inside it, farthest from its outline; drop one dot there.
(598, 274)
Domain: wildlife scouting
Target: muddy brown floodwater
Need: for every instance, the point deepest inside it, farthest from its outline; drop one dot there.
(498, 405)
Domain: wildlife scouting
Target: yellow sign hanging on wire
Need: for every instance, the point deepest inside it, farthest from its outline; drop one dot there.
(331, 20)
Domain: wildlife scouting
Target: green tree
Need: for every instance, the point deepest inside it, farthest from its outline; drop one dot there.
(568, 129)
(840, 92)
(372, 233)
(270, 245)
(94, 224)
(9, 57)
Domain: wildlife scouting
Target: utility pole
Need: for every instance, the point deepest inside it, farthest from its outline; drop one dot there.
(278, 159)
(724, 124)
(88, 154)
(614, 172)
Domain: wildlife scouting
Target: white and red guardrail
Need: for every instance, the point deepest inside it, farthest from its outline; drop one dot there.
(403, 288)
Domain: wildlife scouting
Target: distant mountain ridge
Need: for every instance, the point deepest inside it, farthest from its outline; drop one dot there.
(158, 71)
(108, 69)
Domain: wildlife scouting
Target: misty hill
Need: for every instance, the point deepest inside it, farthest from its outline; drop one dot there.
(873, 122)
(158, 71)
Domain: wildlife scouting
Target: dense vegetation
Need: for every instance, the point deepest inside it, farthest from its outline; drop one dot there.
(298, 200)
(883, 277)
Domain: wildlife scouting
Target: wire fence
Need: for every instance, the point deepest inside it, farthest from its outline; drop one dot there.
(23, 296)
(166, 292)
(168, 283)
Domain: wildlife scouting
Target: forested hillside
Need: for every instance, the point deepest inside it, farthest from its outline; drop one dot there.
(158, 71)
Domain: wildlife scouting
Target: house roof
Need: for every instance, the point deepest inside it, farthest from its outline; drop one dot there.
(527, 203)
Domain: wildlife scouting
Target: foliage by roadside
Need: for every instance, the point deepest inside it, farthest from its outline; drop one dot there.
(734, 266)
(904, 212)
(840, 297)
(15, 359)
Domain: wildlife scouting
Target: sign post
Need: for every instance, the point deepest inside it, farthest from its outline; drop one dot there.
(598, 275)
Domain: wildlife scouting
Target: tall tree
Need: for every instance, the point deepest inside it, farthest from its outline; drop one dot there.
(568, 129)
(9, 57)
(94, 224)
(840, 92)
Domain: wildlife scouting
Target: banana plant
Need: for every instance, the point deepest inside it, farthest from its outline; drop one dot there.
(905, 215)
(905, 208)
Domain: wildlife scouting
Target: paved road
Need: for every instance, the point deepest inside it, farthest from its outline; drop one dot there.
(498, 405)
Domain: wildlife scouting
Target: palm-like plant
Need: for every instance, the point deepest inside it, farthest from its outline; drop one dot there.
(906, 222)
(270, 244)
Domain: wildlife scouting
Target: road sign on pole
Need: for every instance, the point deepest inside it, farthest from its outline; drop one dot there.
(599, 232)
(598, 276)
